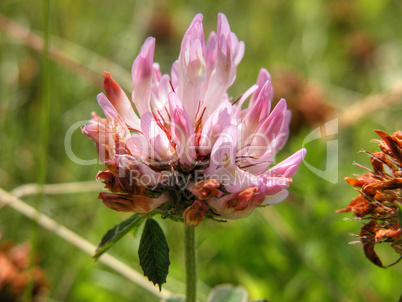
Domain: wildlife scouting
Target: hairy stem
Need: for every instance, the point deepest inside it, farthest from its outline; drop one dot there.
(191, 263)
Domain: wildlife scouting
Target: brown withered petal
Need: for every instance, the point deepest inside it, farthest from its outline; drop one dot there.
(385, 233)
(126, 203)
(368, 230)
(371, 189)
(367, 235)
(246, 197)
(140, 204)
(206, 189)
(377, 161)
(119, 184)
(112, 89)
(393, 142)
(359, 206)
(386, 195)
(194, 214)
(108, 180)
(371, 254)
(355, 182)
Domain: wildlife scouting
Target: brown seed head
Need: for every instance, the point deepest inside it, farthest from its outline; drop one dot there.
(381, 194)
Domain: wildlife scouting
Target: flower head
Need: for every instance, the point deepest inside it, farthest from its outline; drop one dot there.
(188, 150)
(380, 195)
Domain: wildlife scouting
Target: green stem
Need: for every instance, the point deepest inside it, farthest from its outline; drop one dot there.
(44, 142)
(191, 263)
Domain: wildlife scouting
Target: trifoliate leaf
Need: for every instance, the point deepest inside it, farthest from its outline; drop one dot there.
(117, 232)
(154, 253)
(227, 293)
(175, 298)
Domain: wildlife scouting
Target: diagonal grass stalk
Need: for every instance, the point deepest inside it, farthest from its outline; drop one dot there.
(63, 232)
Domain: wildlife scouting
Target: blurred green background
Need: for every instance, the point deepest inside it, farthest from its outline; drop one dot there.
(324, 57)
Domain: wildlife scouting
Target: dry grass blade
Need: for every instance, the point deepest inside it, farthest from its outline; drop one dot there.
(370, 105)
(64, 188)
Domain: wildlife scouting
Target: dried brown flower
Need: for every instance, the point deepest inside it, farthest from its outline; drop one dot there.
(380, 197)
(15, 273)
(306, 100)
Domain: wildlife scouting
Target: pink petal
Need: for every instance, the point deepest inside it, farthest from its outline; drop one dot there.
(288, 167)
(243, 98)
(229, 54)
(160, 92)
(182, 131)
(263, 77)
(157, 138)
(235, 179)
(192, 67)
(210, 53)
(237, 205)
(277, 198)
(142, 71)
(111, 112)
(139, 147)
(175, 75)
(214, 126)
(120, 101)
(224, 150)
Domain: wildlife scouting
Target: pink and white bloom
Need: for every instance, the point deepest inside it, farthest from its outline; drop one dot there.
(186, 148)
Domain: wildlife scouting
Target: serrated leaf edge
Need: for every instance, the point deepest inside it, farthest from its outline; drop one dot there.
(99, 251)
(151, 223)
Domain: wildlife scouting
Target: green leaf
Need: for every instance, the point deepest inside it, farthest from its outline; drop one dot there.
(400, 216)
(117, 232)
(154, 253)
(227, 293)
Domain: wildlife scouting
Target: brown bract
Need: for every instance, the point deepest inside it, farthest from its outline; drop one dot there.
(380, 195)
